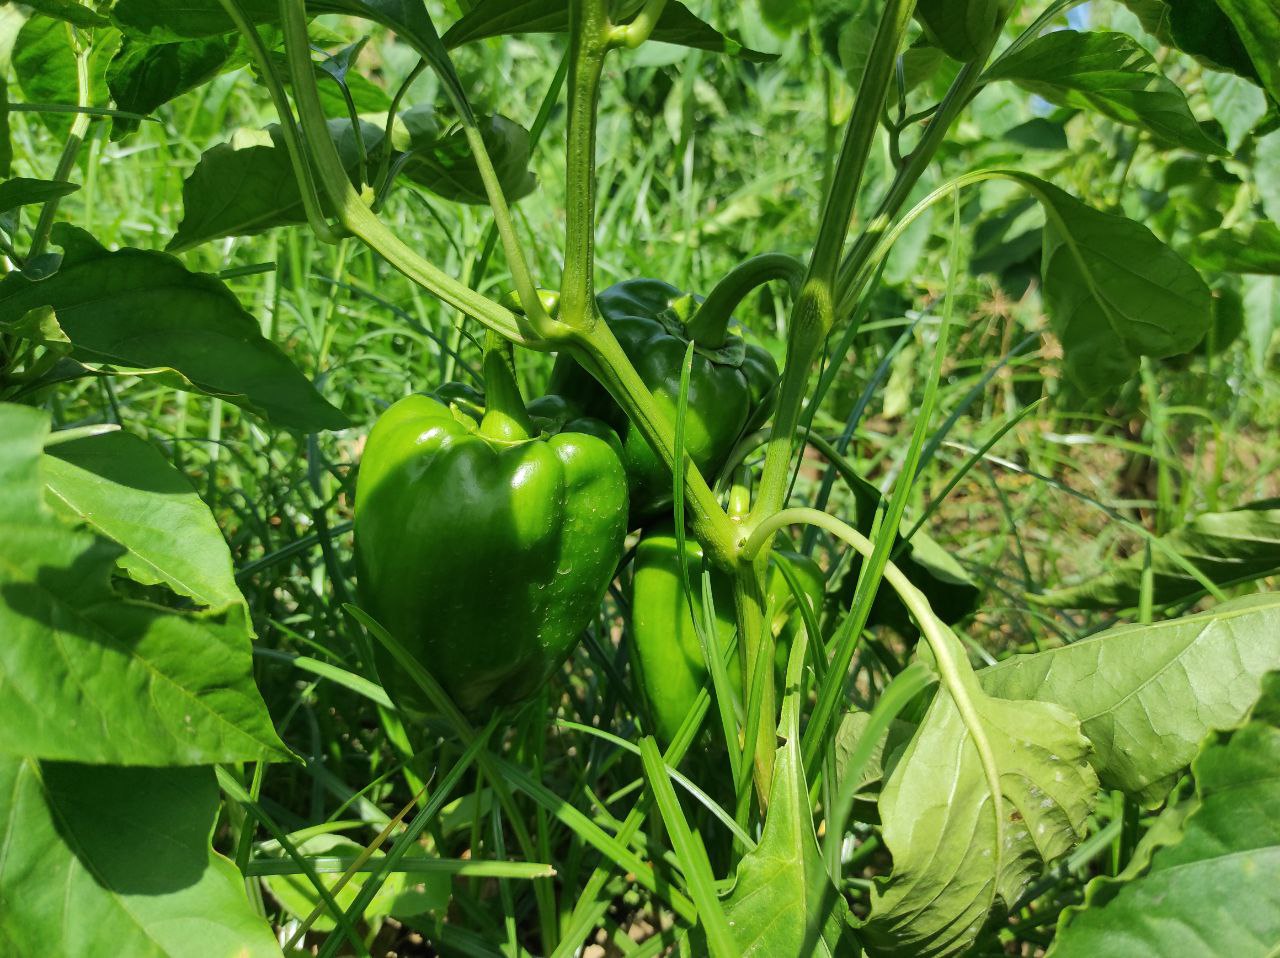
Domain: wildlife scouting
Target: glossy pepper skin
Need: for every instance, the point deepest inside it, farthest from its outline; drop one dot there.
(728, 384)
(667, 654)
(484, 551)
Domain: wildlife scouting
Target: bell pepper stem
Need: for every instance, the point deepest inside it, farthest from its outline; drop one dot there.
(505, 416)
(709, 325)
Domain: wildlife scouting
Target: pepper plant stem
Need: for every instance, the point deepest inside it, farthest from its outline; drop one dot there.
(589, 42)
(813, 313)
(358, 218)
(601, 354)
(70, 150)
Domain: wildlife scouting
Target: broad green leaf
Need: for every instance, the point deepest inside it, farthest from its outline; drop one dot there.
(1237, 104)
(1147, 694)
(1199, 28)
(91, 677)
(1110, 74)
(1227, 547)
(1258, 24)
(124, 489)
(70, 11)
(1261, 316)
(397, 896)
(240, 190)
(412, 23)
(1114, 292)
(145, 310)
(781, 886)
(676, 25)
(1255, 249)
(45, 68)
(1266, 171)
(142, 76)
(447, 167)
(985, 794)
(100, 860)
(170, 21)
(23, 191)
(1216, 891)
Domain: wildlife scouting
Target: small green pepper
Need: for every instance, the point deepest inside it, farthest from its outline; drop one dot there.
(667, 654)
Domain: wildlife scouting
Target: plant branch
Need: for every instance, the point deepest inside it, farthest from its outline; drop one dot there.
(355, 216)
(70, 150)
(813, 313)
(589, 42)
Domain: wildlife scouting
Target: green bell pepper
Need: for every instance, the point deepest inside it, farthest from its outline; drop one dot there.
(485, 547)
(728, 384)
(667, 655)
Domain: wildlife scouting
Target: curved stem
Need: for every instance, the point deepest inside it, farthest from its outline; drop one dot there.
(946, 648)
(641, 28)
(709, 326)
(70, 151)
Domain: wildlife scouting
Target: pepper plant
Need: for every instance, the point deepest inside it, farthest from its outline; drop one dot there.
(645, 505)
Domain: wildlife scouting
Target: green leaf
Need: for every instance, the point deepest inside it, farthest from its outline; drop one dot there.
(24, 191)
(676, 25)
(1266, 171)
(1261, 316)
(142, 76)
(45, 68)
(1258, 24)
(783, 902)
(1215, 892)
(1237, 104)
(1199, 28)
(124, 489)
(447, 167)
(170, 21)
(1148, 694)
(1253, 249)
(91, 677)
(242, 190)
(299, 898)
(960, 850)
(1110, 74)
(145, 310)
(102, 860)
(70, 11)
(1114, 292)
(1227, 547)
